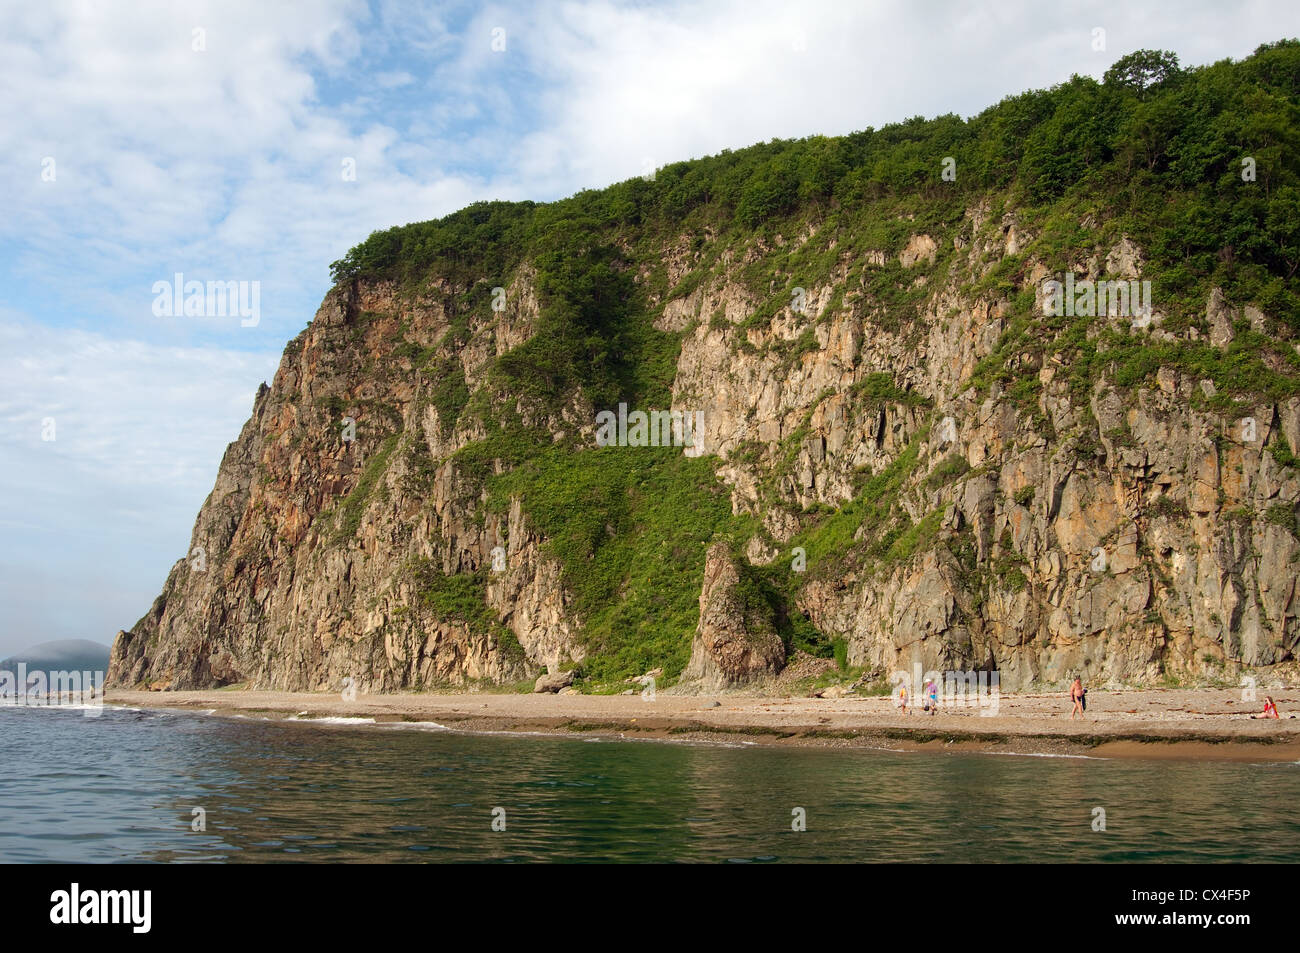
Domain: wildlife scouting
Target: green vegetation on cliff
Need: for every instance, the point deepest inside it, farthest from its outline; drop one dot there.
(630, 526)
(1157, 150)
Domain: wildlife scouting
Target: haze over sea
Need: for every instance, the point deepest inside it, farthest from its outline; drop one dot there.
(124, 786)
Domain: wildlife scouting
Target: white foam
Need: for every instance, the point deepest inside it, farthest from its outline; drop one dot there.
(1044, 754)
(333, 720)
(422, 725)
(56, 706)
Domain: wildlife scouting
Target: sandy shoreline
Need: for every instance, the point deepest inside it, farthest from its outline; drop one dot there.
(1193, 724)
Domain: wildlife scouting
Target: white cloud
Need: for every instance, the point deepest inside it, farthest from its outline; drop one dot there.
(686, 80)
(139, 430)
(222, 162)
(125, 412)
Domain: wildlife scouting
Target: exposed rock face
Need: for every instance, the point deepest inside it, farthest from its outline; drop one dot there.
(312, 544)
(1149, 554)
(553, 682)
(918, 247)
(734, 644)
(1045, 525)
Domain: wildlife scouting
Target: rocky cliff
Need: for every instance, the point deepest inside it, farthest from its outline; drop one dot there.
(908, 454)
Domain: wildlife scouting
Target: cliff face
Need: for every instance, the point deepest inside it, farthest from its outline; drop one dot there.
(310, 560)
(1117, 532)
(945, 487)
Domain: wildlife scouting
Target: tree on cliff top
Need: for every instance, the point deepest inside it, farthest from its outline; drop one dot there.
(1141, 70)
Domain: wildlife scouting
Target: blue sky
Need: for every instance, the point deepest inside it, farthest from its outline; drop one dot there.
(210, 139)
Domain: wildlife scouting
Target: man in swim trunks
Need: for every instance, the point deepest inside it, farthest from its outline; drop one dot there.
(1076, 696)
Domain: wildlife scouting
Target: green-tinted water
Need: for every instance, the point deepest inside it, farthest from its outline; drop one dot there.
(124, 786)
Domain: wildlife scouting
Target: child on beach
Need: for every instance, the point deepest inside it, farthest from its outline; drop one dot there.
(902, 698)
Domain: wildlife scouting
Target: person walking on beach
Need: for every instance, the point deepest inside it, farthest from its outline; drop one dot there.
(932, 691)
(1077, 693)
(902, 698)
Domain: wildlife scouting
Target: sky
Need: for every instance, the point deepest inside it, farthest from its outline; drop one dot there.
(257, 141)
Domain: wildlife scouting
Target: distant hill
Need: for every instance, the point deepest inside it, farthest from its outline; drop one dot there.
(79, 655)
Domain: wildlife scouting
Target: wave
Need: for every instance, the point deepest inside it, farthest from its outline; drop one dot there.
(329, 720)
(419, 725)
(1043, 754)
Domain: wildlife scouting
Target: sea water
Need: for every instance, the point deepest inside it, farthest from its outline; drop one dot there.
(149, 785)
